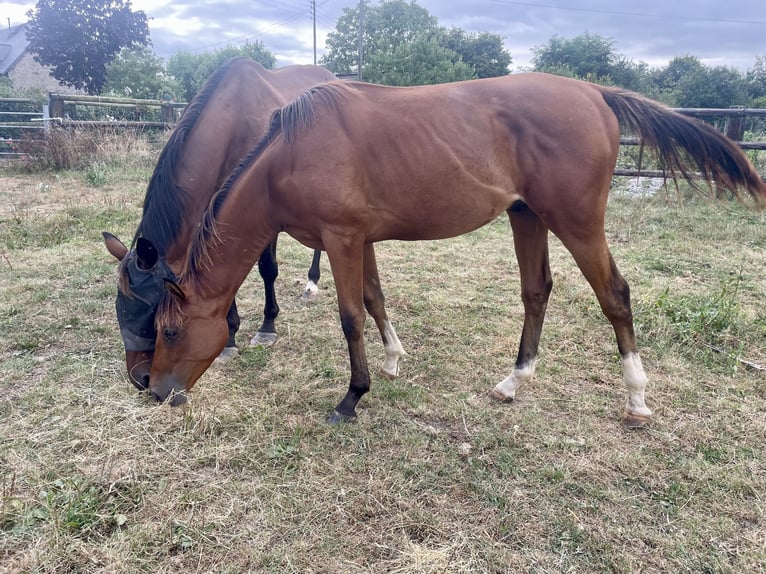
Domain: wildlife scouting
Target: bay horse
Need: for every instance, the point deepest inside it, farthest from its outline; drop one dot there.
(349, 164)
(223, 121)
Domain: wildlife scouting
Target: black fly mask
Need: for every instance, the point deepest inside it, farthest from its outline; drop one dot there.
(145, 272)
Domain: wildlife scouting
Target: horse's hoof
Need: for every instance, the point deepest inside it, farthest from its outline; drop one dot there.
(311, 293)
(388, 375)
(500, 397)
(227, 354)
(263, 339)
(337, 418)
(635, 421)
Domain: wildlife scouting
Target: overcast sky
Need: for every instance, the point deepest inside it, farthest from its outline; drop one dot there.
(731, 32)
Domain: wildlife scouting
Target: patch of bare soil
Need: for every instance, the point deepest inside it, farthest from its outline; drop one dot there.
(47, 194)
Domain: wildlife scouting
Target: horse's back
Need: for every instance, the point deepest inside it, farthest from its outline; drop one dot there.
(396, 157)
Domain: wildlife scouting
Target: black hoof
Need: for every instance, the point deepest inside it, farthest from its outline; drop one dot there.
(337, 418)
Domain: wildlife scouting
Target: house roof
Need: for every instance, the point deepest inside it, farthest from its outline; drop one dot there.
(13, 44)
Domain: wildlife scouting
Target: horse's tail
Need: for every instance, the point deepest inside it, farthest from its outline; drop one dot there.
(685, 145)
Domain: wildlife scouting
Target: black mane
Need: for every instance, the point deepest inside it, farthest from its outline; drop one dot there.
(165, 200)
(288, 121)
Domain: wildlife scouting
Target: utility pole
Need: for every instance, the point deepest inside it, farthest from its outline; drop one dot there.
(359, 41)
(314, 14)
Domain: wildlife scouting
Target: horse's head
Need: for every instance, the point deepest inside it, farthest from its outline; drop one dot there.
(192, 331)
(139, 290)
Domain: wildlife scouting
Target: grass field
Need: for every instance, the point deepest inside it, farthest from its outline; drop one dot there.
(434, 477)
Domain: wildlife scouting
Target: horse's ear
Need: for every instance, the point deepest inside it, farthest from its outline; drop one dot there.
(114, 246)
(174, 289)
(147, 253)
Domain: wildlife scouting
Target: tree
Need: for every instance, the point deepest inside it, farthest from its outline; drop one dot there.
(593, 58)
(386, 26)
(140, 73)
(484, 52)
(78, 38)
(191, 70)
(756, 82)
(688, 83)
(587, 56)
(416, 63)
(403, 44)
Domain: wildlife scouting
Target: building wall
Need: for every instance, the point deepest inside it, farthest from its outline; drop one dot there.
(27, 74)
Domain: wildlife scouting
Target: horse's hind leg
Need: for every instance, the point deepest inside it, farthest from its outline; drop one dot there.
(269, 270)
(530, 239)
(374, 302)
(595, 261)
(312, 286)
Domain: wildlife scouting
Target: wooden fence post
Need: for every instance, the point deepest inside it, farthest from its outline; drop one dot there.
(56, 106)
(167, 113)
(735, 131)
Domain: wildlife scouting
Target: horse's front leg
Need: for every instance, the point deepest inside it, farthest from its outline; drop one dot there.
(346, 260)
(232, 320)
(269, 270)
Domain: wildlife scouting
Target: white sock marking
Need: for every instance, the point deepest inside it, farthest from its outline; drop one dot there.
(635, 382)
(394, 351)
(507, 387)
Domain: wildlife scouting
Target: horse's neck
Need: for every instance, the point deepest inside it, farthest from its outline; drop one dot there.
(205, 167)
(243, 229)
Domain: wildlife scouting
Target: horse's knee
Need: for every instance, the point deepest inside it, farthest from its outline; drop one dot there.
(537, 299)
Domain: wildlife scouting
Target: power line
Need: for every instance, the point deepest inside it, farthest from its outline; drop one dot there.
(639, 14)
(261, 31)
(297, 12)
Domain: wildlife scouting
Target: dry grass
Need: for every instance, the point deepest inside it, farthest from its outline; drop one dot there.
(434, 477)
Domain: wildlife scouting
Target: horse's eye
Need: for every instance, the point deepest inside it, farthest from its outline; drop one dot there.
(170, 335)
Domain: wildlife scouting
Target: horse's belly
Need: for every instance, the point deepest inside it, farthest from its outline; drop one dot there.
(441, 214)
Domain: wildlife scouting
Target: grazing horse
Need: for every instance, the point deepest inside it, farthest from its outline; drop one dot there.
(347, 165)
(225, 119)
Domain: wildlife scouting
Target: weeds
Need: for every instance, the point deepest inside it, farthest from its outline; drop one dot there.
(705, 318)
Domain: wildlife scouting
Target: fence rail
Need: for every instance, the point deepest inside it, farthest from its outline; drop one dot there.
(23, 119)
(20, 115)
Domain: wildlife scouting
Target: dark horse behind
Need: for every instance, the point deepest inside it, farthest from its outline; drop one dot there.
(223, 121)
(348, 165)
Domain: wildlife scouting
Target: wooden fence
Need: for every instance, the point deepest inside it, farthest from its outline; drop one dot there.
(21, 118)
(734, 128)
(100, 111)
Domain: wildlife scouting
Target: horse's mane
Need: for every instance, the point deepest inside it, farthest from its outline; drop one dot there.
(165, 200)
(288, 121)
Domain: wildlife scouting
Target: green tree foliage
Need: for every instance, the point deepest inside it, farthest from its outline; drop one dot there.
(191, 70)
(422, 61)
(484, 52)
(587, 56)
(403, 44)
(688, 83)
(78, 38)
(140, 73)
(756, 82)
(685, 82)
